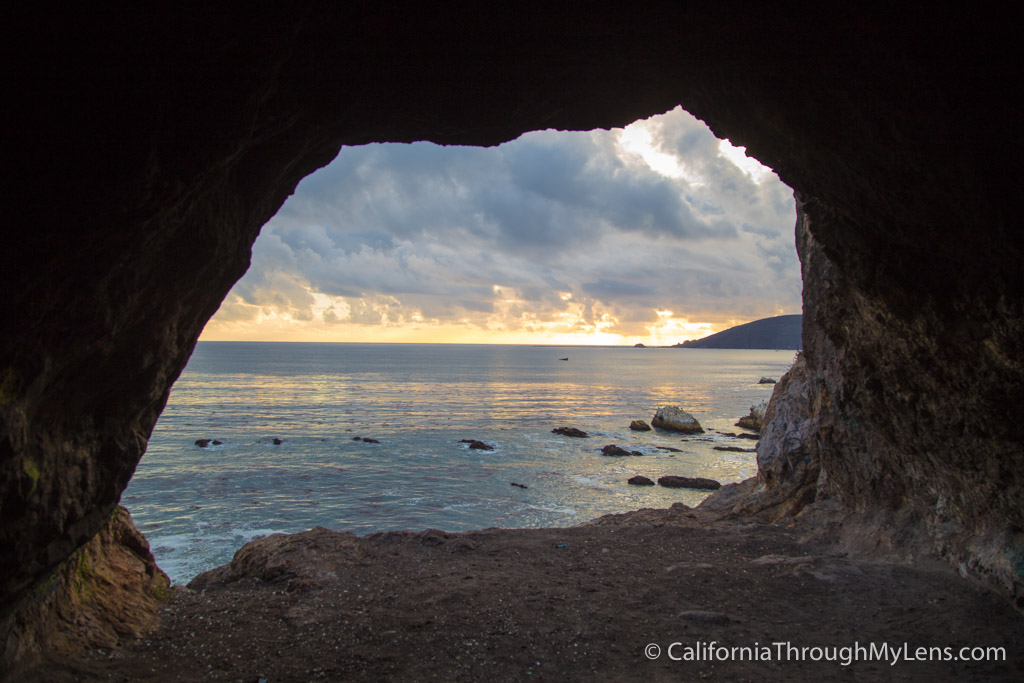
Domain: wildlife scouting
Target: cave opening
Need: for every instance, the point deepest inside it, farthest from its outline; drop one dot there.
(654, 233)
(650, 235)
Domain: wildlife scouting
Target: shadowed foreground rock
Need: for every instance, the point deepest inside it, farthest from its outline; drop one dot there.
(107, 593)
(558, 604)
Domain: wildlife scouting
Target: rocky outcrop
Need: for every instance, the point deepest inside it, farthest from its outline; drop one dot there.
(639, 480)
(295, 561)
(675, 419)
(639, 426)
(788, 467)
(754, 419)
(617, 451)
(476, 445)
(108, 591)
(895, 133)
(879, 417)
(676, 482)
(912, 400)
(570, 431)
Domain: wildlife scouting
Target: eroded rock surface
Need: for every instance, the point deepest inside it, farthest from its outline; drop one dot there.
(296, 561)
(753, 420)
(107, 593)
(675, 419)
(788, 468)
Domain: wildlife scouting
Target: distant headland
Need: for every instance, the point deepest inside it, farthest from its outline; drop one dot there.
(780, 332)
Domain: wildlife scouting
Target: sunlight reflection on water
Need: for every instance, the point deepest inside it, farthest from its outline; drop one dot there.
(198, 505)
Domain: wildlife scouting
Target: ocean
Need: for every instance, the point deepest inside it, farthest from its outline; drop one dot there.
(292, 419)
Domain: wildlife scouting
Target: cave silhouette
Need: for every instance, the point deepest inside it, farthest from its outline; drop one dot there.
(149, 148)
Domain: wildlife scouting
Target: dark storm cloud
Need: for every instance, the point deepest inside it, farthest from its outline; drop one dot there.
(449, 233)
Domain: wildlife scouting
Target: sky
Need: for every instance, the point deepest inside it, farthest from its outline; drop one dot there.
(655, 234)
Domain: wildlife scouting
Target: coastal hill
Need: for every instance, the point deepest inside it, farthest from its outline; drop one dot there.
(780, 332)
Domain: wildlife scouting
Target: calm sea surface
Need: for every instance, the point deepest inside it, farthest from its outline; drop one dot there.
(198, 505)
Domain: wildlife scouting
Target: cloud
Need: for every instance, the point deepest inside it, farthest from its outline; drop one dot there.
(587, 231)
(610, 291)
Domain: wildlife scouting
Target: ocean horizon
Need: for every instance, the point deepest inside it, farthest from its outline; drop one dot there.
(373, 437)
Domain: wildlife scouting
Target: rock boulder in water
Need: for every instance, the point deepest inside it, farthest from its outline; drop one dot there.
(674, 482)
(675, 419)
(755, 419)
(613, 450)
(639, 426)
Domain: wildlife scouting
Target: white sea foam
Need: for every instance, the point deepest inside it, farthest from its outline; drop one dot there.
(587, 481)
(476, 505)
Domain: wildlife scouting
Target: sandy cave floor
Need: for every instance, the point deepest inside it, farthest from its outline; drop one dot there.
(583, 603)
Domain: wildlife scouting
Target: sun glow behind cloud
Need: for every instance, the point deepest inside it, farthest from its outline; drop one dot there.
(636, 139)
(655, 233)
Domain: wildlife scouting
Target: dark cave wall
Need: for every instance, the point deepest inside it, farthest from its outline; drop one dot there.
(150, 148)
(916, 398)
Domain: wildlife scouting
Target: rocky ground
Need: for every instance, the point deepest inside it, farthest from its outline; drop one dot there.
(595, 602)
